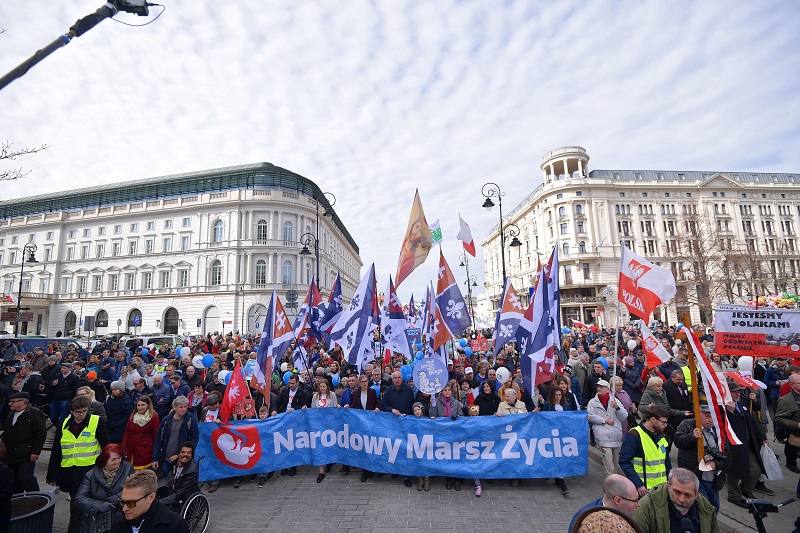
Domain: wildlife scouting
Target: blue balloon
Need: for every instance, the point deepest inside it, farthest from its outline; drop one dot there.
(566, 330)
(679, 326)
(406, 371)
(336, 380)
(286, 377)
(419, 346)
(145, 351)
(419, 356)
(468, 351)
(377, 389)
(462, 342)
(604, 361)
(208, 360)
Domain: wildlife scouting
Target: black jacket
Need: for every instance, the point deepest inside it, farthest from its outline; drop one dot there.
(26, 437)
(66, 388)
(157, 519)
(300, 399)
(183, 486)
(687, 453)
(752, 438)
(118, 410)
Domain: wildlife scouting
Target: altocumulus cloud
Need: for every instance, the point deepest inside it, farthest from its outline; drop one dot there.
(374, 99)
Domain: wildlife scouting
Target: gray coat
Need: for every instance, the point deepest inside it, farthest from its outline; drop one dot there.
(94, 492)
(651, 396)
(438, 409)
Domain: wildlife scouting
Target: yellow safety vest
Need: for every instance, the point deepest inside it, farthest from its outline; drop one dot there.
(83, 449)
(652, 468)
(687, 377)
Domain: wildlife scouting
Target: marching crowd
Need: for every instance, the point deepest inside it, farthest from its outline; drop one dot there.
(124, 416)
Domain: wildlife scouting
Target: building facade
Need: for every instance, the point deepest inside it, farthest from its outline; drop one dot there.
(191, 253)
(726, 236)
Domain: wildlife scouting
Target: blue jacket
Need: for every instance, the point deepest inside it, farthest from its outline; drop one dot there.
(632, 447)
(162, 398)
(770, 377)
(118, 410)
(188, 431)
(401, 399)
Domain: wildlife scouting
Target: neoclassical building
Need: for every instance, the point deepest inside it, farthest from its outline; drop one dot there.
(188, 253)
(737, 229)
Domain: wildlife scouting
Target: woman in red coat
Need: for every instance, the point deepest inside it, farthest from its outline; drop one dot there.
(140, 434)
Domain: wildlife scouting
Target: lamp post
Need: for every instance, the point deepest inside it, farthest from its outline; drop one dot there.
(472, 281)
(490, 190)
(327, 213)
(80, 318)
(28, 256)
(307, 239)
(241, 324)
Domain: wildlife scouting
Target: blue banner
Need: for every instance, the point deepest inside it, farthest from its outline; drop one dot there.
(537, 445)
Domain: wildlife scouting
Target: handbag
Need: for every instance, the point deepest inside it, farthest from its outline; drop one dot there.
(772, 469)
(99, 523)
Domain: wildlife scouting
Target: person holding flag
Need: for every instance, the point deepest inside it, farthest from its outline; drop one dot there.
(686, 437)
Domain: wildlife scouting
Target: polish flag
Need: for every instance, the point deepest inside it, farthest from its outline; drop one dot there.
(746, 381)
(471, 395)
(654, 351)
(643, 285)
(465, 235)
(575, 323)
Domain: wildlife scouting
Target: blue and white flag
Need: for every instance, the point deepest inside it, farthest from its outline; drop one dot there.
(533, 336)
(332, 311)
(353, 331)
(450, 300)
(275, 340)
(393, 323)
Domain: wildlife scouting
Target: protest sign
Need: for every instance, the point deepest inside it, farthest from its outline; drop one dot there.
(767, 331)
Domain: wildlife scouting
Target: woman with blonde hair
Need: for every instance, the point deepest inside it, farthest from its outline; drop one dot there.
(140, 434)
(95, 408)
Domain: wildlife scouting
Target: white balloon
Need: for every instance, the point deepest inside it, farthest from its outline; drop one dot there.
(631, 344)
(222, 374)
(745, 363)
(503, 374)
(197, 362)
(284, 367)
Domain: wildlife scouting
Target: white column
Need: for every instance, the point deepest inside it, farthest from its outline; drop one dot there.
(580, 166)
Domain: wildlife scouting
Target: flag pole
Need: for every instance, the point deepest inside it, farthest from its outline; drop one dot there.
(616, 328)
(695, 389)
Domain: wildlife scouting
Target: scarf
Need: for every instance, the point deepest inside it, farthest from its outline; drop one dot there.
(604, 399)
(448, 405)
(109, 476)
(141, 420)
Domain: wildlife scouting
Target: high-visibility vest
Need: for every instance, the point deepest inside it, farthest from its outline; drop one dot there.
(652, 468)
(83, 449)
(687, 376)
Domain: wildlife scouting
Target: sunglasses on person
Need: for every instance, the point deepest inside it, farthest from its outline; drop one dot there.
(132, 503)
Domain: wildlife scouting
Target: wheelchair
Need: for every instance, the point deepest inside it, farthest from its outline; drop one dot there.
(194, 509)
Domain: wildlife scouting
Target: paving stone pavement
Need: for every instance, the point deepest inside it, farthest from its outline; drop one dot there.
(343, 503)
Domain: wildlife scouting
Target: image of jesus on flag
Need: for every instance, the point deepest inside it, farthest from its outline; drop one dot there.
(416, 244)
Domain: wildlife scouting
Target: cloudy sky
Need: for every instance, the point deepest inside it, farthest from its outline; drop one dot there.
(374, 99)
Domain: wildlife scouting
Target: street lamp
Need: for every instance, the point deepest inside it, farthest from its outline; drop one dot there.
(28, 256)
(241, 324)
(327, 213)
(490, 190)
(471, 282)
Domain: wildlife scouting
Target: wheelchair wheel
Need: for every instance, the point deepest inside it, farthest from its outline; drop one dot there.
(196, 512)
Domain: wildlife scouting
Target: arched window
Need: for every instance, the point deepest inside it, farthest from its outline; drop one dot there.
(582, 247)
(288, 232)
(171, 321)
(565, 248)
(101, 321)
(261, 230)
(219, 231)
(215, 273)
(287, 273)
(578, 209)
(261, 272)
(69, 324)
(562, 211)
(134, 318)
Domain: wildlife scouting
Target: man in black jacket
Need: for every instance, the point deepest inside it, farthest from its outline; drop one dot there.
(398, 399)
(292, 397)
(182, 479)
(24, 434)
(143, 511)
(678, 397)
(686, 437)
(65, 388)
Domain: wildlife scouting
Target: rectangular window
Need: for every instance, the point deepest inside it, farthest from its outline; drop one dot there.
(644, 195)
(48, 254)
(622, 195)
(70, 253)
(559, 196)
(72, 234)
(113, 282)
(151, 225)
(32, 237)
(586, 271)
(580, 227)
(168, 224)
(49, 235)
(666, 195)
(66, 284)
(132, 248)
(578, 193)
(564, 229)
(117, 229)
(115, 249)
(147, 280)
(167, 244)
(149, 244)
(100, 250)
(12, 258)
(85, 251)
(134, 226)
(97, 282)
(183, 278)
(87, 233)
(82, 284)
(129, 282)
(184, 243)
(165, 280)
(101, 230)
(186, 222)
(44, 285)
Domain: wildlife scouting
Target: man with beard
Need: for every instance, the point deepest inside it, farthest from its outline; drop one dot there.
(182, 479)
(675, 501)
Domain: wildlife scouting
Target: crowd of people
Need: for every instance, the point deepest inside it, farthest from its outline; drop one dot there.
(122, 416)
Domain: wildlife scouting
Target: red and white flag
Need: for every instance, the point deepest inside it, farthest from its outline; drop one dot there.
(575, 323)
(715, 393)
(643, 285)
(472, 395)
(235, 393)
(655, 352)
(465, 235)
(746, 381)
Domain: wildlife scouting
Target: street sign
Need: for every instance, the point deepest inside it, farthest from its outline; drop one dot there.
(199, 322)
(8, 316)
(291, 296)
(137, 320)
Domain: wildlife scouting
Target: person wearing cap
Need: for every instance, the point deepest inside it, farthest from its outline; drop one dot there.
(118, 408)
(24, 433)
(65, 388)
(606, 415)
(746, 464)
(106, 374)
(93, 383)
(686, 437)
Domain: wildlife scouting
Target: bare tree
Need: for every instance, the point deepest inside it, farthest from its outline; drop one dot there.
(9, 153)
